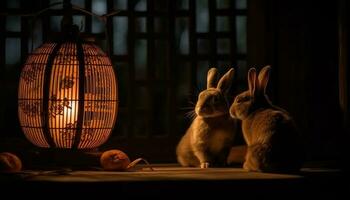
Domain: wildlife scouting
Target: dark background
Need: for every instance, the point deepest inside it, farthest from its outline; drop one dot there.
(305, 42)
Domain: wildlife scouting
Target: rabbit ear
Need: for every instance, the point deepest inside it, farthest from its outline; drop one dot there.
(211, 78)
(264, 78)
(226, 81)
(252, 80)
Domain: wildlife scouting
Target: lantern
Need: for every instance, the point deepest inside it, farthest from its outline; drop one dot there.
(68, 95)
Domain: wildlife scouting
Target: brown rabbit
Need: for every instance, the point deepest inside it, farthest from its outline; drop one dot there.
(274, 145)
(208, 140)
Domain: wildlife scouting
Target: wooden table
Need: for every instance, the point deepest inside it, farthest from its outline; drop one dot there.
(175, 181)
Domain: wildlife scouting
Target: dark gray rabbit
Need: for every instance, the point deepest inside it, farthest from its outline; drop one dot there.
(274, 144)
(208, 140)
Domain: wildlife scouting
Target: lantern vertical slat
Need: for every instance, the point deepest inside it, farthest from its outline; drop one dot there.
(96, 108)
(106, 98)
(46, 97)
(54, 120)
(36, 96)
(97, 93)
(65, 118)
(103, 95)
(81, 95)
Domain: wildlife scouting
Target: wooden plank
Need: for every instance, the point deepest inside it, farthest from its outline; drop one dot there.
(233, 43)
(171, 65)
(88, 18)
(152, 123)
(131, 44)
(344, 63)
(212, 34)
(193, 46)
(231, 10)
(2, 41)
(24, 38)
(109, 28)
(161, 172)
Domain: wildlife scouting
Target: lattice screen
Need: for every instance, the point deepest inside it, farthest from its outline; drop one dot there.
(161, 50)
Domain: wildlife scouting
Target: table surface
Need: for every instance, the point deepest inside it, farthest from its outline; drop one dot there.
(159, 173)
(165, 179)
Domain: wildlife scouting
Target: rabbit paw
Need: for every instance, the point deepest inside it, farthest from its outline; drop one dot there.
(204, 165)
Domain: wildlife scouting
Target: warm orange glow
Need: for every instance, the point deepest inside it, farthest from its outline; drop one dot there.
(61, 114)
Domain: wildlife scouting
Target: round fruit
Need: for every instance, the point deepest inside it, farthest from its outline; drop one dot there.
(9, 162)
(114, 160)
